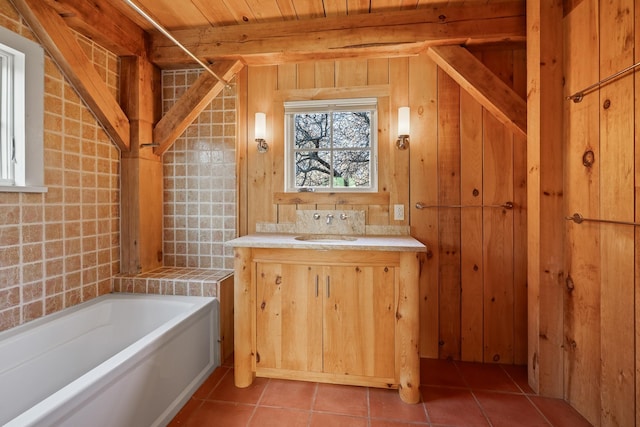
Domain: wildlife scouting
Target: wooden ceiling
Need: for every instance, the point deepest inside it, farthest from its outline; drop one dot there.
(275, 31)
(219, 13)
(229, 34)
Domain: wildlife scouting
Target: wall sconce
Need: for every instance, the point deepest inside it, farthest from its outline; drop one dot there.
(260, 132)
(404, 127)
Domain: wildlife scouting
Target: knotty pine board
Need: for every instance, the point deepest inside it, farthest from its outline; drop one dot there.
(423, 80)
(449, 218)
(617, 189)
(520, 221)
(498, 242)
(582, 302)
(472, 265)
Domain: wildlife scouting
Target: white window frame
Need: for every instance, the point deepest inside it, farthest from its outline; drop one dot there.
(22, 113)
(326, 106)
(7, 142)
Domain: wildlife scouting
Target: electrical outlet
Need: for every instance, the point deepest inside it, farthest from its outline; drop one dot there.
(398, 212)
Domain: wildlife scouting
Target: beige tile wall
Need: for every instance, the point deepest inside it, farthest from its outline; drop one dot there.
(61, 248)
(199, 181)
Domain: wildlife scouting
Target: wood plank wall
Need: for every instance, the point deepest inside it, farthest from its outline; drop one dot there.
(473, 279)
(602, 349)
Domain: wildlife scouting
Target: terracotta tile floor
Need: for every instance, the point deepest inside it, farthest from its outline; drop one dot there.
(454, 394)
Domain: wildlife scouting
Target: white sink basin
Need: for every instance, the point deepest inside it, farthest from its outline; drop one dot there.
(325, 238)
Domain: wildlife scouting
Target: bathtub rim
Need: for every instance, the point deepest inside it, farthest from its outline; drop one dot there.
(110, 370)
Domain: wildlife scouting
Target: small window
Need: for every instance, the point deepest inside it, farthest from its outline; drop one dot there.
(331, 145)
(8, 68)
(21, 113)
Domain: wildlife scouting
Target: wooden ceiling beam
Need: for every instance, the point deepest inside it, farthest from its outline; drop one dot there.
(61, 44)
(366, 35)
(191, 104)
(481, 83)
(103, 23)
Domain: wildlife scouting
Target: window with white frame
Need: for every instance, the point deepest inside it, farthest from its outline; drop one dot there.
(8, 59)
(331, 145)
(21, 113)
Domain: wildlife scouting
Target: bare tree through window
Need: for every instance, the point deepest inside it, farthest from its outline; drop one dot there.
(332, 149)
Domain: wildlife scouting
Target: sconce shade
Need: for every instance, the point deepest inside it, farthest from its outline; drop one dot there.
(260, 126)
(404, 122)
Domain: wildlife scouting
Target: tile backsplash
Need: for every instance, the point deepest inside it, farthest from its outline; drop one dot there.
(330, 222)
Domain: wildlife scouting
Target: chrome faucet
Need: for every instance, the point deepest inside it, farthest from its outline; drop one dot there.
(329, 218)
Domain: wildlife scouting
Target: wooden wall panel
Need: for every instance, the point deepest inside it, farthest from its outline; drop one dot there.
(472, 265)
(261, 84)
(617, 189)
(287, 79)
(545, 197)
(449, 217)
(582, 296)
(498, 242)
(520, 258)
(445, 163)
(637, 219)
(423, 80)
(601, 302)
(242, 153)
(398, 159)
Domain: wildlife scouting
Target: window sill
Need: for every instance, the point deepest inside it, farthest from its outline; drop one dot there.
(309, 198)
(22, 189)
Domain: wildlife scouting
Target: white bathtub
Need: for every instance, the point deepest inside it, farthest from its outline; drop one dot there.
(119, 360)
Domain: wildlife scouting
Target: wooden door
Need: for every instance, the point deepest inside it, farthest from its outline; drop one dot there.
(359, 321)
(288, 317)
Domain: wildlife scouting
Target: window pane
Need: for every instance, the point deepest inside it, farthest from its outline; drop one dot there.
(312, 131)
(352, 129)
(313, 169)
(331, 145)
(352, 168)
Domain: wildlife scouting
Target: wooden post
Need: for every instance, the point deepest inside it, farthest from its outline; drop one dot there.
(545, 197)
(408, 328)
(141, 170)
(243, 304)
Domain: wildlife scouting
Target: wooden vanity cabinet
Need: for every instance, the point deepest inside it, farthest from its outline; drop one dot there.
(337, 320)
(344, 317)
(288, 315)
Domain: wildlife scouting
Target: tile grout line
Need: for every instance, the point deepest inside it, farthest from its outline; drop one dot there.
(313, 404)
(475, 398)
(257, 404)
(368, 408)
(526, 395)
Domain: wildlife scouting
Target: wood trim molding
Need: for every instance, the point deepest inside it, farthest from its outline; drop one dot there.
(372, 91)
(281, 198)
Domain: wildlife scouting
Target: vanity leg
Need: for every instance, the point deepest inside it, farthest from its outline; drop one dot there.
(243, 303)
(408, 328)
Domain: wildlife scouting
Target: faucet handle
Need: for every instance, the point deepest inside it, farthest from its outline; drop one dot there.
(316, 216)
(343, 216)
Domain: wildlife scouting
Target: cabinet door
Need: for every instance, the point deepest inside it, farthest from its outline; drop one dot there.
(288, 317)
(359, 321)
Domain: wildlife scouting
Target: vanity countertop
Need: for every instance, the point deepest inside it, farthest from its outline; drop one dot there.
(329, 242)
